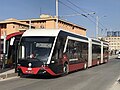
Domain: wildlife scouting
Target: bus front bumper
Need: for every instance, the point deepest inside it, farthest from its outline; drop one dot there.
(35, 71)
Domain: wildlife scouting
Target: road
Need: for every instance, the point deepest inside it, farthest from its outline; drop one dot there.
(96, 78)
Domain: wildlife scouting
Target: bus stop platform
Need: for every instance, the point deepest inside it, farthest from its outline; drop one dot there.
(7, 73)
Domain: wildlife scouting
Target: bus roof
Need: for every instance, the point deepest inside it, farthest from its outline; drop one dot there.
(96, 40)
(46, 32)
(41, 32)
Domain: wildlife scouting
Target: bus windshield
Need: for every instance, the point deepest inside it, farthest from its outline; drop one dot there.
(35, 48)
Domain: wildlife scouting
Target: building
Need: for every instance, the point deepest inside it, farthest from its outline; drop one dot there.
(45, 21)
(113, 33)
(13, 25)
(113, 37)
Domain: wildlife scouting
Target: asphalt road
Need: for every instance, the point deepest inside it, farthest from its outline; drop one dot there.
(101, 77)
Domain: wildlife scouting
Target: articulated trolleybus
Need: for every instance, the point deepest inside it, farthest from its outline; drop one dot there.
(58, 52)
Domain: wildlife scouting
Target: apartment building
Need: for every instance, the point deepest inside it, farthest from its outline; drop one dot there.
(114, 43)
(45, 21)
(113, 37)
(12, 25)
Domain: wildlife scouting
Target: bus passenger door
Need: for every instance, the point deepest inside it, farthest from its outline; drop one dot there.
(57, 57)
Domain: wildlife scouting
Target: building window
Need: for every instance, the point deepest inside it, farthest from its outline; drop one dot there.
(3, 26)
(13, 26)
(42, 26)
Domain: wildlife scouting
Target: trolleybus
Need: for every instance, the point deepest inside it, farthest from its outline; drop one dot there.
(58, 52)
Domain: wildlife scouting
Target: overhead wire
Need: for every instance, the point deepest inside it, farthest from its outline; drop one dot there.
(76, 11)
(82, 14)
(86, 12)
(79, 8)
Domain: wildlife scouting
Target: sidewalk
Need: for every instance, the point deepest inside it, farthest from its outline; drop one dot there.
(116, 85)
(113, 56)
(8, 74)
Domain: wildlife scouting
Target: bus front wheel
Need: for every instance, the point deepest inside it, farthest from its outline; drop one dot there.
(21, 75)
(65, 69)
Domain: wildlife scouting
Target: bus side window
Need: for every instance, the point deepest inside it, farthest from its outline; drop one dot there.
(77, 49)
(71, 50)
(58, 50)
(96, 49)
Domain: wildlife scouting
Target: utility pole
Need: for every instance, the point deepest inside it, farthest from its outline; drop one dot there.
(97, 25)
(56, 14)
(30, 24)
(4, 50)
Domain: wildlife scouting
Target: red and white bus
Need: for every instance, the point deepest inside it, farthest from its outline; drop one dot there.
(10, 42)
(57, 52)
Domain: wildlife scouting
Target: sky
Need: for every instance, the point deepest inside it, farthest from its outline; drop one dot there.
(108, 12)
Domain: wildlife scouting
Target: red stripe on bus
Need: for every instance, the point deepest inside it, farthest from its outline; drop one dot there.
(74, 67)
(26, 70)
(35, 70)
(50, 71)
(13, 34)
(94, 62)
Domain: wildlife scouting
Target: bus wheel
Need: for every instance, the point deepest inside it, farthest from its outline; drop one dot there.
(106, 61)
(21, 75)
(85, 66)
(65, 69)
(98, 62)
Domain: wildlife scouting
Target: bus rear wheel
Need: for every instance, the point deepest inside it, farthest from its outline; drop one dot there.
(65, 69)
(85, 66)
(98, 62)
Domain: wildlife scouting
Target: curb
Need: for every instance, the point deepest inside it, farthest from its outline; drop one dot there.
(113, 57)
(8, 74)
(115, 86)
